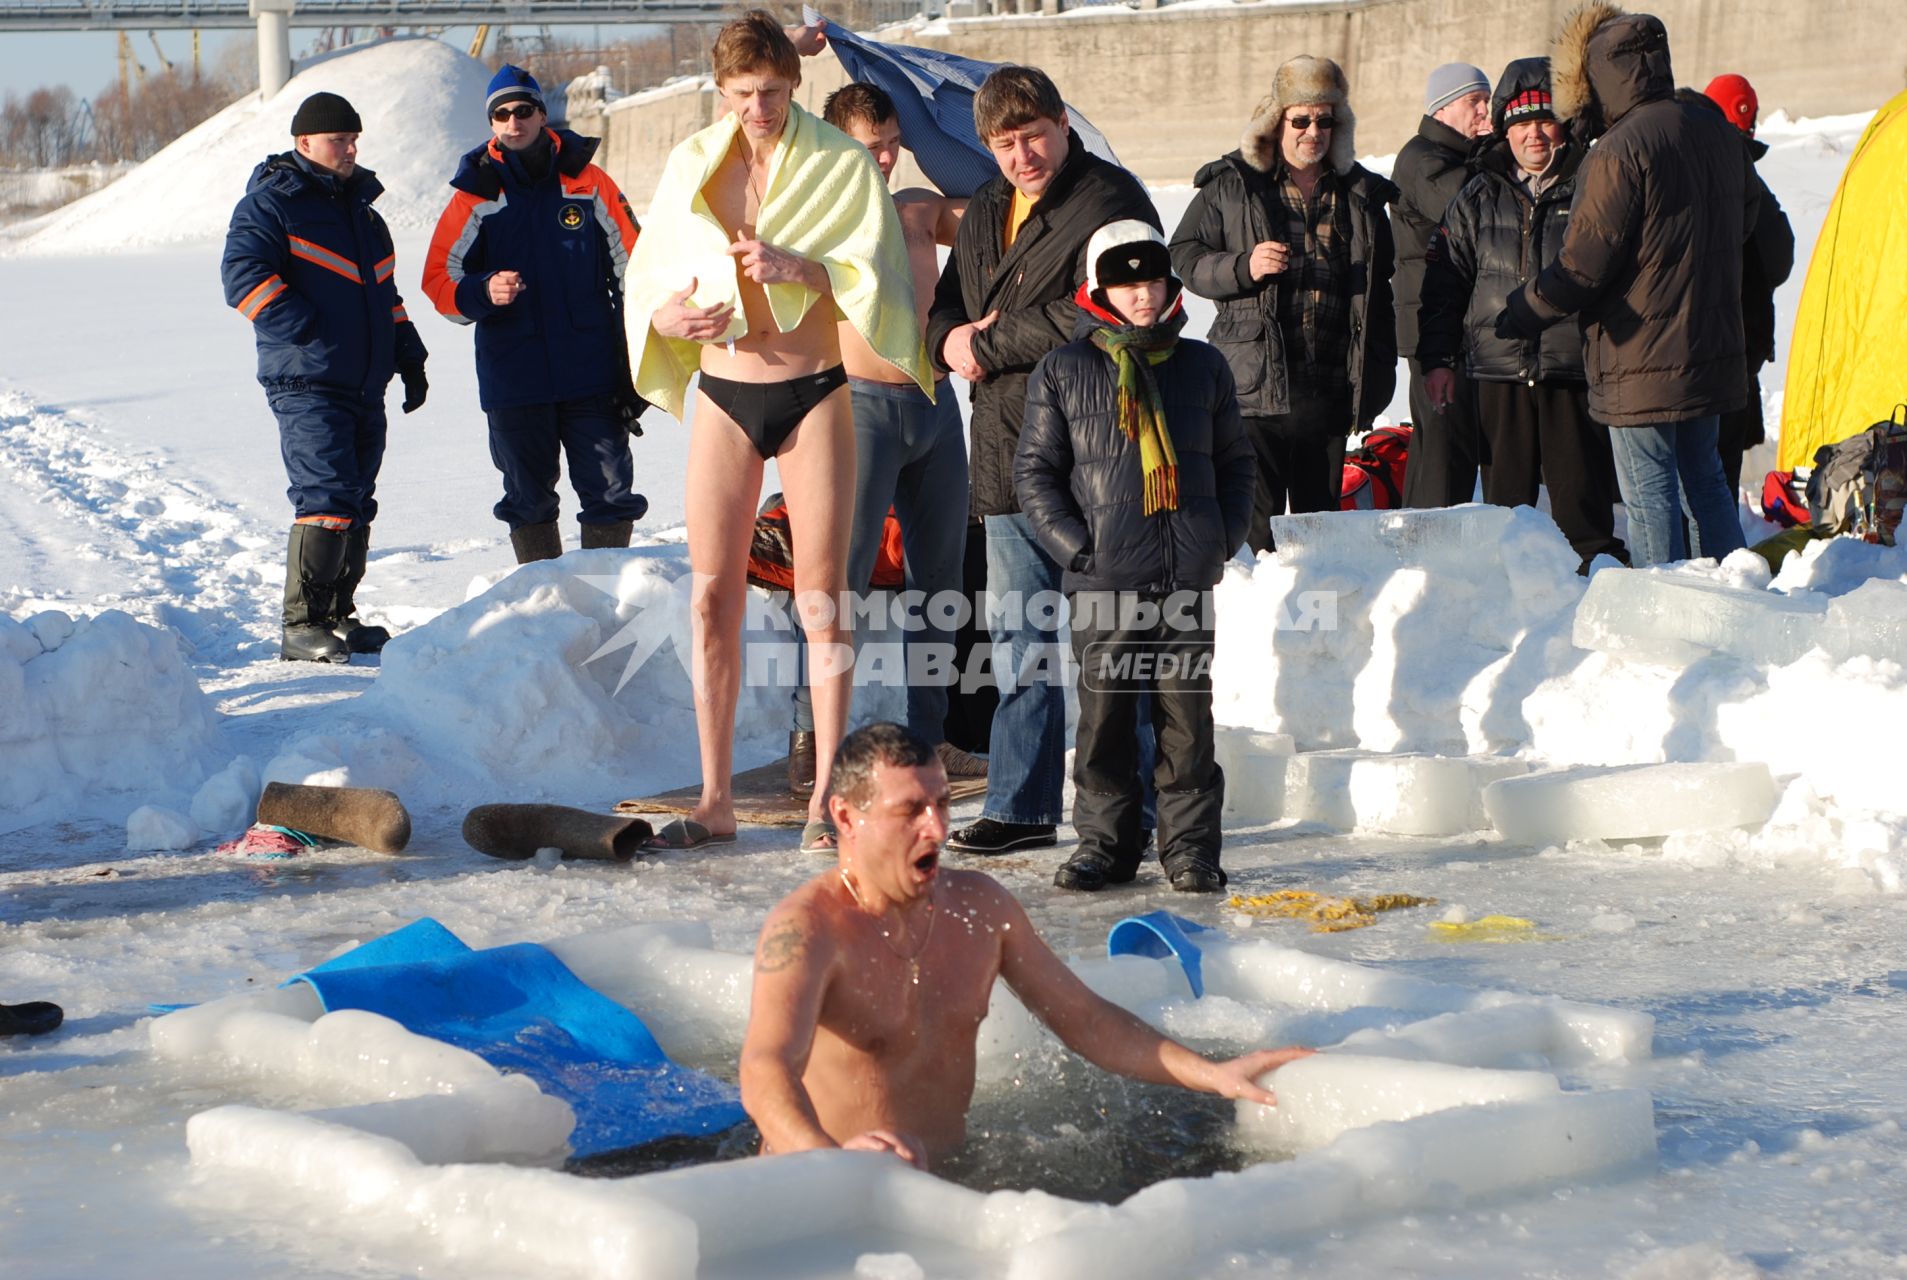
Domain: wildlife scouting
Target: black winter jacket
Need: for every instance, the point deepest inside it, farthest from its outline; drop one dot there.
(1494, 238)
(1031, 285)
(1211, 252)
(1430, 170)
(1652, 261)
(1081, 485)
(1766, 263)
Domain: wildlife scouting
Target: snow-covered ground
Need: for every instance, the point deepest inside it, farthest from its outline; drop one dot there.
(141, 703)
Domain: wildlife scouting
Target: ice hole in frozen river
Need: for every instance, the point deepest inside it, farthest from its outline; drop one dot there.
(1431, 1095)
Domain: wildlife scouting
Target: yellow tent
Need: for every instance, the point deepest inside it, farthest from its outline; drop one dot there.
(1847, 362)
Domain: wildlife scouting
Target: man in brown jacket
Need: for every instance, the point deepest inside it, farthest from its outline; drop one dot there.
(1652, 263)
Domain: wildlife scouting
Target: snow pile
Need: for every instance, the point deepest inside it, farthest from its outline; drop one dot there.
(97, 717)
(422, 105)
(566, 681)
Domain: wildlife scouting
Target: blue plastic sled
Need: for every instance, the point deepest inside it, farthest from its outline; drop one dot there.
(1159, 934)
(521, 1010)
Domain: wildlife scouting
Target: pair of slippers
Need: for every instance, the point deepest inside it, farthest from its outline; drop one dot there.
(817, 831)
(687, 833)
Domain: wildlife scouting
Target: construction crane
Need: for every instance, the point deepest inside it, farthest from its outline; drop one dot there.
(480, 40)
(165, 63)
(130, 68)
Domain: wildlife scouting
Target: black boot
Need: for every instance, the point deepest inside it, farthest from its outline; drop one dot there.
(314, 574)
(614, 534)
(536, 542)
(357, 637)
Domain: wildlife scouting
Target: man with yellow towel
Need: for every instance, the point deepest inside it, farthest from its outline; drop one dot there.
(759, 218)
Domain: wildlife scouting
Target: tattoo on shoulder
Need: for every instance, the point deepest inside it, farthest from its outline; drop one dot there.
(781, 946)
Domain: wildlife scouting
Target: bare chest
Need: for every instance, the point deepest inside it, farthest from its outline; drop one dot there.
(894, 1007)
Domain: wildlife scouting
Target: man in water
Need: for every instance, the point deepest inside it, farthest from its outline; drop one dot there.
(867, 1002)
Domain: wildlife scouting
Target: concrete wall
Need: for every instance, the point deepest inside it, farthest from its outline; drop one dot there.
(1172, 88)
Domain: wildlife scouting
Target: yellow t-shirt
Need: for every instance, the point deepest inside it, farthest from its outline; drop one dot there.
(1017, 214)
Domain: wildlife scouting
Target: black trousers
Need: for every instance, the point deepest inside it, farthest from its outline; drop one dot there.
(1300, 460)
(1446, 446)
(1543, 435)
(1120, 654)
(1739, 432)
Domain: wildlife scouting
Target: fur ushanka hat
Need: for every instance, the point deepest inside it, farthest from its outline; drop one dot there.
(1304, 79)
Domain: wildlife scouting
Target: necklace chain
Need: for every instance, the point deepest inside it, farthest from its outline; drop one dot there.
(913, 961)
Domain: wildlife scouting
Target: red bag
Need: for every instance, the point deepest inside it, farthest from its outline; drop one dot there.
(771, 556)
(1780, 503)
(1374, 471)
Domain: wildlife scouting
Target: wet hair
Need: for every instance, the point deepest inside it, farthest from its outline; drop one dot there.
(858, 103)
(1014, 97)
(882, 742)
(755, 42)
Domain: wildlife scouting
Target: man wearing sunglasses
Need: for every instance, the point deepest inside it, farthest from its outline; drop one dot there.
(532, 249)
(1289, 235)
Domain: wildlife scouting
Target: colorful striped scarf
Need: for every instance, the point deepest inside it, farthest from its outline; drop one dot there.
(1141, 411)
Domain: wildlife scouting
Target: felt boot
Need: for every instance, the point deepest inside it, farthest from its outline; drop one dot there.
(614, 534)
(357, 637)
(34, 1018)
(314, 571)
(362, 816)
(519, 830)
(536, 542)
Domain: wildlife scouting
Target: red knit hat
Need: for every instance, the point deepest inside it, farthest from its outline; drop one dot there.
(1736, 97)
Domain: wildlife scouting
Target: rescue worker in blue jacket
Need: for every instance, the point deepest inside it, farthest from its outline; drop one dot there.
(310, 264)
(531, 249)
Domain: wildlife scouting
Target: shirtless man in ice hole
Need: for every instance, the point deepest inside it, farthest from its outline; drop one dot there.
(865, 1015)
(812, 443)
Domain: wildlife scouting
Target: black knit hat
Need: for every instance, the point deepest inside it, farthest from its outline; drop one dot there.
(325, 113)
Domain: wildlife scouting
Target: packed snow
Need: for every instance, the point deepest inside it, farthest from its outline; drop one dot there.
(1650, 1026)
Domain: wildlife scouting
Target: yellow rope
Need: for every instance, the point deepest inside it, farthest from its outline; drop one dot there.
(1326, 914)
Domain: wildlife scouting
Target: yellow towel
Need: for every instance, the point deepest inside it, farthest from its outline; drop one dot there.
(1327, 914)
(824, 200)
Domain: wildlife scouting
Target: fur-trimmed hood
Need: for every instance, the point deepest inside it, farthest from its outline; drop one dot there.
(1605, 63)
(1304, 79)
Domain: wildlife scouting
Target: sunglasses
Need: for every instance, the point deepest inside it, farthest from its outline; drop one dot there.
(1301, 123)
(521, 111)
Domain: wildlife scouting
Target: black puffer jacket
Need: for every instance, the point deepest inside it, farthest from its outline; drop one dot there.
(1430, 170)
(1211, 252)
(1031, 285)
(1767, 262)
(1652, 261)
(1081, 485)
(1494, 238)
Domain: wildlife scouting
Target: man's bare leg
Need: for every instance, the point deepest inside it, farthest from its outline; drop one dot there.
(723, 484)
(817, 478)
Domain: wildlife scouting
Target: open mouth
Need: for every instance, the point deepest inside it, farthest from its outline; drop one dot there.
(926, 863)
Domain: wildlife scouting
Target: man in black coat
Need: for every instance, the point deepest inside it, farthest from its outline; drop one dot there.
(1004, 300)
(1531, 396)
(1289, 236)
(1767, 259)
(1430, 169)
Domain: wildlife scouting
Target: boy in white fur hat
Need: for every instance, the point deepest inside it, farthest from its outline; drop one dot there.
(1137, 478)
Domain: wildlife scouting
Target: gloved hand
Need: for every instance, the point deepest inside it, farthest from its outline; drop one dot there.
(416, 386)
(631, 406)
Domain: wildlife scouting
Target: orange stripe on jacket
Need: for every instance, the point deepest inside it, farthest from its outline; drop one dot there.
(259, 298)
(399, 314)
(301, 248)
(456, 231)
(385, 268)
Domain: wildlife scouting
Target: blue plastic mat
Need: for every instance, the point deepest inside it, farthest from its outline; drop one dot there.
(521, 1010)
(1159, 934)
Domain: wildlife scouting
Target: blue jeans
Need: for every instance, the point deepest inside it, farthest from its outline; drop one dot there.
(525, 441)
(908, 453)
(332, 442)
(1668, 469)
(1026, 758)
